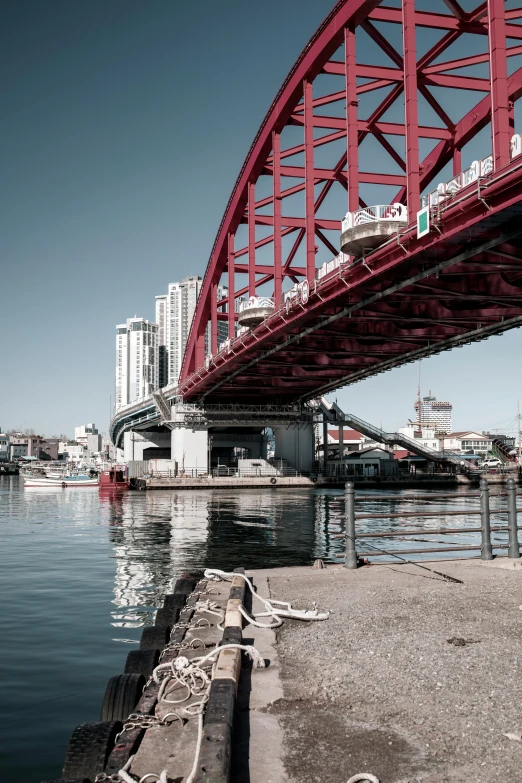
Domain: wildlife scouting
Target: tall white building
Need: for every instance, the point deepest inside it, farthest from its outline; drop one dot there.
(163, 358)
(222, 326)
(136, 360)
(434, 414)
(174, 315)
(181, 305)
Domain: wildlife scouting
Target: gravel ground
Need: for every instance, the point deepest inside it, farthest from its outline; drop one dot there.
(379, 688)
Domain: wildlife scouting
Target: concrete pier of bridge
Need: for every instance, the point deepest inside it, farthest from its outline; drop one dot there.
(200, 438)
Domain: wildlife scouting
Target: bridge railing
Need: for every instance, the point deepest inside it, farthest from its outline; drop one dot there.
(255, 301)
(393, 212)
(483, 510)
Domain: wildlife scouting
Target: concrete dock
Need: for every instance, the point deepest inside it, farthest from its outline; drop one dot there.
(412, 678)
(437, 480)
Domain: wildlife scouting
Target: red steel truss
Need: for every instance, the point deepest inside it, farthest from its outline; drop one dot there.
(423, 109)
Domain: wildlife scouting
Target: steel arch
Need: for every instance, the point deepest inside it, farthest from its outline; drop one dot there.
(398, 74)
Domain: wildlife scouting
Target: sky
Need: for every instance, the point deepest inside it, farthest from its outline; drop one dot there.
(125, 124)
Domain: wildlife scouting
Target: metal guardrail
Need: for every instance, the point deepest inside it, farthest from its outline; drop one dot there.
(352, 555)
(388, 212)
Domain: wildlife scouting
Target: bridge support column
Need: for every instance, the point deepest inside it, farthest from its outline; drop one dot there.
(325, 444)
(296, 445)
(190, 449)
(139, 446)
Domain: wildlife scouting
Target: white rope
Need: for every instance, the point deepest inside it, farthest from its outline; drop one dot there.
(364, 776)
(191, 675)
(194, 676)
(273, 608)
(124, 776)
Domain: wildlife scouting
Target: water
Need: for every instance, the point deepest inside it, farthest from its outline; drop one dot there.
(81, 574)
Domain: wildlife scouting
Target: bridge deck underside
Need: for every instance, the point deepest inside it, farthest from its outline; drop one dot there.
(461, 289)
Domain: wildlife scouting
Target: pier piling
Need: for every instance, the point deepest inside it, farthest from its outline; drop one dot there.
(350, 560)
(486, 550)
(514, 548)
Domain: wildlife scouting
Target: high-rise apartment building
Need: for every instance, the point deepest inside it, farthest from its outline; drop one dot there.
(174, 315)
(434, 414)
(163, 357)
(136, 360)
(222, 326)
(181, 305)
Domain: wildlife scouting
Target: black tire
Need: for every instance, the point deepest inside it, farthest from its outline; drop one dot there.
(273, 480)
(314, 479)
(184, 585)
(68, 780)
(166, 618)
(174, 601)
(121, 696)
(154, 637)
(142, 662)
(169, 613)
(89, 749)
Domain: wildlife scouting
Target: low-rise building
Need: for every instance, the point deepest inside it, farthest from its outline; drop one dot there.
(5, 448)
(26, 445)
(424, 436)
(352, 441)
(371, 462)
(72, 452)
(49, 449)
(87, 435)
(467, 442)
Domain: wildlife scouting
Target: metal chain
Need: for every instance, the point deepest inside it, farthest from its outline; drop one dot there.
(138, 721)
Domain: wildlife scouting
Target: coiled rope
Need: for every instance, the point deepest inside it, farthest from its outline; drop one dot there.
(363, 776)
(275, 609)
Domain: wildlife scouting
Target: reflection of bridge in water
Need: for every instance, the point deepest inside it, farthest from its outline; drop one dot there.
(158, 536)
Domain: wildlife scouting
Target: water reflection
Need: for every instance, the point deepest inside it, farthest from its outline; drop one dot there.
(157, 536)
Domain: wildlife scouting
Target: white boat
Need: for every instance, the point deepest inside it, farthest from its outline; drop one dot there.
(60, 481)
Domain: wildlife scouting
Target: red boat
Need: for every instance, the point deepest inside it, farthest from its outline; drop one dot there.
(117, 477)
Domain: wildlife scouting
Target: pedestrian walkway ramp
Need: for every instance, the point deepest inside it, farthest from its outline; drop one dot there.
(334, 413)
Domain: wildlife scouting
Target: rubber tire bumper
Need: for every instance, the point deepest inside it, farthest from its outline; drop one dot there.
(68, 780)
(154, 637)
(121, 696)
(142, 662)
(273, 480)
(89, 749)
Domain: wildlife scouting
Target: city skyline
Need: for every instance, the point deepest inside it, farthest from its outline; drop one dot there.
(101, 206)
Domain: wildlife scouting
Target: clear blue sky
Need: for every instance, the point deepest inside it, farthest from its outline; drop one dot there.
(125, 123)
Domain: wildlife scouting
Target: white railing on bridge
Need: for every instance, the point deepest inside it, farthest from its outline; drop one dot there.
(254, 302)
(331, 266)
(225, 345)
(392, 212)
(446, 190)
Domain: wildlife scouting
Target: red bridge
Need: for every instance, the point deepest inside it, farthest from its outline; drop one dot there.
(378, 109)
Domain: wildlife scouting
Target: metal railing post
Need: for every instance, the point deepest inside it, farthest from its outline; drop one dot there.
(350, 560)
(486, 551)
(514, 548)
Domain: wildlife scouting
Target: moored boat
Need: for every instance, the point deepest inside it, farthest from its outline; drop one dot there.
(82, 480)
(116, 477)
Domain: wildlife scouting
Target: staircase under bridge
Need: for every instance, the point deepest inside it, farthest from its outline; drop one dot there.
(333, 413)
